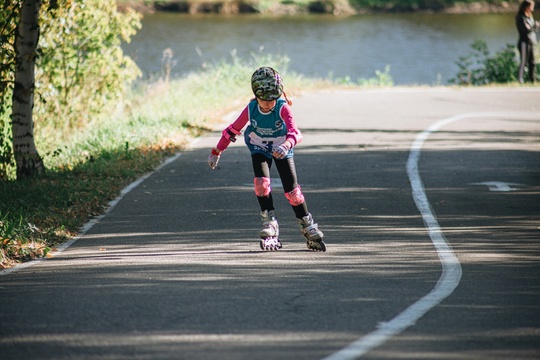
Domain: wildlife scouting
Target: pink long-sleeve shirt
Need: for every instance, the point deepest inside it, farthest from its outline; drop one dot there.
(294, 136)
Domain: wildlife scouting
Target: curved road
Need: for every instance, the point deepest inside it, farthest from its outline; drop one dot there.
(174, 270)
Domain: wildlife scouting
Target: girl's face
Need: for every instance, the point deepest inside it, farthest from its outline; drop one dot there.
(266, 105)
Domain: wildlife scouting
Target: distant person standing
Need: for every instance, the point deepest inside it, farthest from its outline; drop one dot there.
(526, 27)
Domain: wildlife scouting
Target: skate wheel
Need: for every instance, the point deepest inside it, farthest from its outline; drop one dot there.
(270, 244)
(316, 245)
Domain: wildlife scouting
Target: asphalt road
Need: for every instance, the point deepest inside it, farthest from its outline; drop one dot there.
(174, 270)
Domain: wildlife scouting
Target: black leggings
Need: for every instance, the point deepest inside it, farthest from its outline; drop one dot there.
(526, 55)
(287, 174)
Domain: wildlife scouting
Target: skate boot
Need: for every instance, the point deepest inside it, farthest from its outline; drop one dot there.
(269, 233)
(311, 232)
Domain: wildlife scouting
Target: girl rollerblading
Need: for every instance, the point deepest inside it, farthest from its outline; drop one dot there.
(271, 136)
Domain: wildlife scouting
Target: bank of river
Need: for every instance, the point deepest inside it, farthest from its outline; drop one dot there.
(335, 7)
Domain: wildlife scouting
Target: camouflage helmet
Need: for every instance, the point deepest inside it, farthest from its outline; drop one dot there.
(266, 84)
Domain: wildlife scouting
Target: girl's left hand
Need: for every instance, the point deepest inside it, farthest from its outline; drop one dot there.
(213, 159)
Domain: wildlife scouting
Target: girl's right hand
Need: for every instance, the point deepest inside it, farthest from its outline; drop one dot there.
(213, 159)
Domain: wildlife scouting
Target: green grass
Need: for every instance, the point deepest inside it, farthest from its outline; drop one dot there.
(38, 214)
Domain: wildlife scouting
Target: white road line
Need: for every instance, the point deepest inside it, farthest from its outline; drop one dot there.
(451, 273)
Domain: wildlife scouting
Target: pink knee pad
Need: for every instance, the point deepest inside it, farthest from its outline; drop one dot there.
(262, 186)
(295, 196)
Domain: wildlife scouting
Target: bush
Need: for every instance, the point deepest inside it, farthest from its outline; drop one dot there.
(479, 68)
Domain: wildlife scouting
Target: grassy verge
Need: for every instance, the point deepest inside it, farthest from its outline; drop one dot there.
(88, 168)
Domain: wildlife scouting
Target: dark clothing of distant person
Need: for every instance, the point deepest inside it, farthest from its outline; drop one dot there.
(526, 27)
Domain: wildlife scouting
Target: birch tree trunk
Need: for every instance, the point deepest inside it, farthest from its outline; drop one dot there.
(29, 163)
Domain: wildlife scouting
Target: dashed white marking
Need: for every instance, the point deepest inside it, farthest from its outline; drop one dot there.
(499, 185)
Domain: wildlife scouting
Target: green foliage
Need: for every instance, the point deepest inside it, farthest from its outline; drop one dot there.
(81, 69)
(80, 72)
(8, 22)
(503, 67)
(7, 163)
(479, 68)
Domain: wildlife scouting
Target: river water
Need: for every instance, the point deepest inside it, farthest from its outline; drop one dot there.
(419, 48)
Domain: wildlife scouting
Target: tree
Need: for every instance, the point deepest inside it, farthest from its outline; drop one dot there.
(76, 72)
(29, 163)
